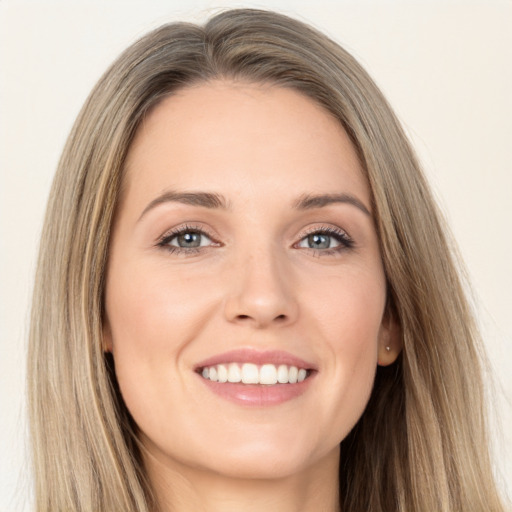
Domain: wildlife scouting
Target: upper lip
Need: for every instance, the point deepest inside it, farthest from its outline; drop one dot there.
(258, 357)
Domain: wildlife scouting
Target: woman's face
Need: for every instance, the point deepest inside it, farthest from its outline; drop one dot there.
(244, 248)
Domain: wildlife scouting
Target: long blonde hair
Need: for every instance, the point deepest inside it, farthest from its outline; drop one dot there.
(420, 445)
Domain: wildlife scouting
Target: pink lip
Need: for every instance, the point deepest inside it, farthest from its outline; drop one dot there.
(248, 355)
(257, 394)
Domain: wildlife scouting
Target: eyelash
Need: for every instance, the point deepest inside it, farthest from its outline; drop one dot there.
(344, 240)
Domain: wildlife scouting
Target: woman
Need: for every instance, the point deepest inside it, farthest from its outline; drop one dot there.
(245, 295)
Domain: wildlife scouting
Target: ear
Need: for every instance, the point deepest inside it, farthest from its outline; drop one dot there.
(107, 344)
(390, 339)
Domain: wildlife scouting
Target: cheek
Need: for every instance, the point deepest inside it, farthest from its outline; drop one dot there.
(348, 311)
(154, 310)
(349, 319)
(138, 338)
(154, 314)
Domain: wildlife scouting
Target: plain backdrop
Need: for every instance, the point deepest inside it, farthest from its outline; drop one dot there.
(445, 66)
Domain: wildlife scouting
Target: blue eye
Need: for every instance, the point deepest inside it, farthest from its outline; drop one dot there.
(326, 240)
(189, 240)
(319, 241)
(185, 239)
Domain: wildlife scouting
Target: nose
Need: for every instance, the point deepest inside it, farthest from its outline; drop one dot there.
(261, 292)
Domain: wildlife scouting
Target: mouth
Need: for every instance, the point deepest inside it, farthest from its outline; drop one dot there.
(256, 378)
(267, 374)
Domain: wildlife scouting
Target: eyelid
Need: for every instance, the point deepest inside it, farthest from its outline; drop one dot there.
(325, 228)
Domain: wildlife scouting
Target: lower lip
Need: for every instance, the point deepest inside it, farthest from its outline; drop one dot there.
(258, 394)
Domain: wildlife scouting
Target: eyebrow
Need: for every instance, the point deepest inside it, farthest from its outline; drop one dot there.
(204, 199)
(310, 201)
(213, 201)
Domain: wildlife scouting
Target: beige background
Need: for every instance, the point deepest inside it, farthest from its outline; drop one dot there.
(445, 67)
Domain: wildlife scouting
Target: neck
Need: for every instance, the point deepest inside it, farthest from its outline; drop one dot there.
(180, 488)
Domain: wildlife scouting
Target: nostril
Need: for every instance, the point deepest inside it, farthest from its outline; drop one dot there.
(279, 318)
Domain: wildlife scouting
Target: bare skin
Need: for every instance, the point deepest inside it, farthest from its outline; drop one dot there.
(245, 225)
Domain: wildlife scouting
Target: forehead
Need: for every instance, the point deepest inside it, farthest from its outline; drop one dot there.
(236, 136)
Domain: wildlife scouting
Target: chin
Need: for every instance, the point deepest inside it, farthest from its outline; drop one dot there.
(266, 460)
(261, 467)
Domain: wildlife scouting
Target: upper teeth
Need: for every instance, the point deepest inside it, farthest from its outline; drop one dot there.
(249, 373)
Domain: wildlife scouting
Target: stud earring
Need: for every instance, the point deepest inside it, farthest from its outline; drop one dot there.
(388, 349)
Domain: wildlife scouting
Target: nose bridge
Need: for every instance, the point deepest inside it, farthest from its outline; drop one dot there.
(261, 291)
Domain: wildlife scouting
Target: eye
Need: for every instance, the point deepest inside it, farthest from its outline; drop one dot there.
(326, 240)
(185, 239)
(189, 240)
(319, 241)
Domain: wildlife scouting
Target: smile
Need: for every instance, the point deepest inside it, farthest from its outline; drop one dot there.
(250, 373)
(260, 378)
